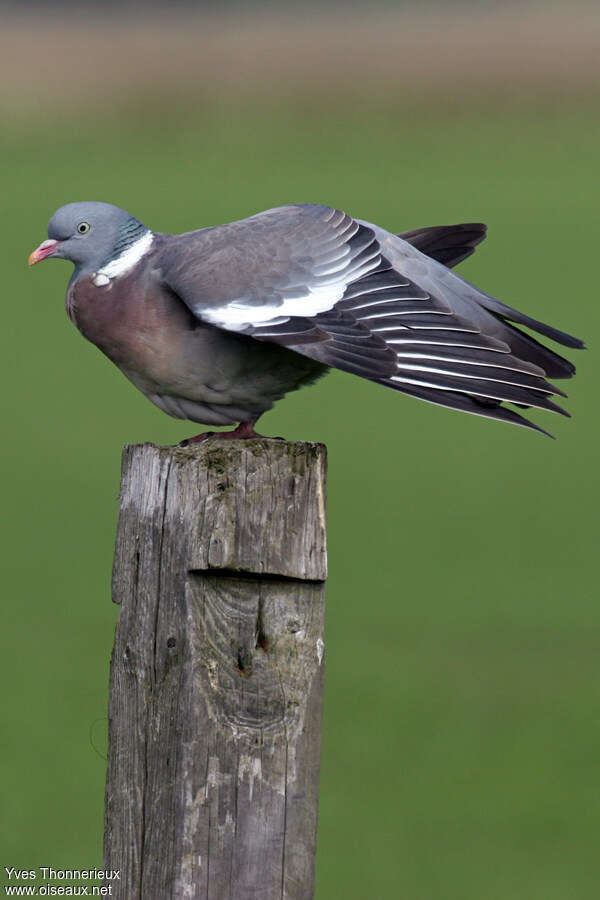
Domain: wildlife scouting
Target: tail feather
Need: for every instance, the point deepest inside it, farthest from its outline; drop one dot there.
(526, 347)
(507, 312)
(448, 244)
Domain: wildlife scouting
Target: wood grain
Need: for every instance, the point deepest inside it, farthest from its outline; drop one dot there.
(217, 671)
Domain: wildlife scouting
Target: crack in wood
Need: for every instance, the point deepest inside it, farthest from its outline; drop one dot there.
(245, 574)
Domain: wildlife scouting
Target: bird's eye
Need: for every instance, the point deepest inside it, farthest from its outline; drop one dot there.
(83, 227)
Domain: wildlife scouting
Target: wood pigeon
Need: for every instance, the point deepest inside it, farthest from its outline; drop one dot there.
(217, 324)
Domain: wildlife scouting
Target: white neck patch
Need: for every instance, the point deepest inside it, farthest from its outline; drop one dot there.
(125, 262)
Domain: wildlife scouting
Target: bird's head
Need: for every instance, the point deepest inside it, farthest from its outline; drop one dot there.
(89, 234)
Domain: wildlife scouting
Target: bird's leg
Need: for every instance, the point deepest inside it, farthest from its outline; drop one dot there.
(244, 431)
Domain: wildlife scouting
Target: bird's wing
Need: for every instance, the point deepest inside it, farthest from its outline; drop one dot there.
(448, 244)
(316, 280)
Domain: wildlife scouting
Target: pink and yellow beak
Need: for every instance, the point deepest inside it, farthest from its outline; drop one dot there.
(45, 250)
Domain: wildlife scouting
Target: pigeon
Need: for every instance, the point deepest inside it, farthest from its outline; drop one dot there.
(215, 325)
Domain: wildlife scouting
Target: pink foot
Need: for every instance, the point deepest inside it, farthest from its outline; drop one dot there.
(244, 431)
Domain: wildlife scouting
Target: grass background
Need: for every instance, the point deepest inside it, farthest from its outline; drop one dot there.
(461, 729)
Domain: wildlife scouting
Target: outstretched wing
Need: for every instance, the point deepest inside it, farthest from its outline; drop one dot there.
(315, 280)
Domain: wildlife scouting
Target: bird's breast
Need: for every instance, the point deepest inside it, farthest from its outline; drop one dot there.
(130, 321)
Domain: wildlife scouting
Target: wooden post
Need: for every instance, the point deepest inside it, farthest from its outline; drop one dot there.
(216, 679)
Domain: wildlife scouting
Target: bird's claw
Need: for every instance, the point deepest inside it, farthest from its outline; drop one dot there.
(194, 440)
(244, 431)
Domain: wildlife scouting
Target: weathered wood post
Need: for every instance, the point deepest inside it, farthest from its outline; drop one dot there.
(217, 671)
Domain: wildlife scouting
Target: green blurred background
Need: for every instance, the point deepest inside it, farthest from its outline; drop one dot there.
(461, 746)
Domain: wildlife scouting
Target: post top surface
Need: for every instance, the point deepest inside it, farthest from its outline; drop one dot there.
(233, 448)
